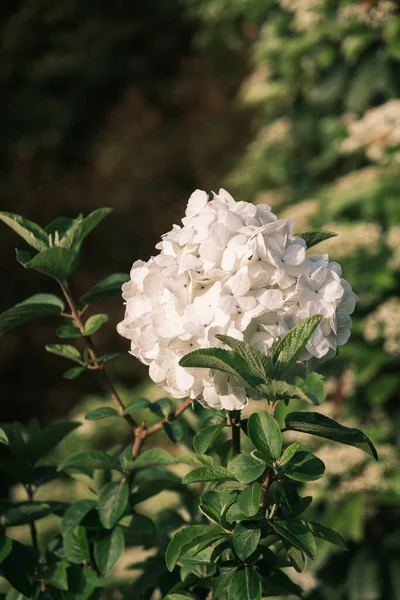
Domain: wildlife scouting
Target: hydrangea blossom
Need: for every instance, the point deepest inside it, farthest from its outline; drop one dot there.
(231, 268)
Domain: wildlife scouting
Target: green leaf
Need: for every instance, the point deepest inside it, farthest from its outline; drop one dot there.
(221, 582)
(136, 404)
(153, 456)
(292, 344)
(222, 360)
(297, 558)
(56, 575)
(327, 534)
(47, 439)
(280, 390)
(65, 351)
(58, 263)
(245, 539)
(108, 550)
(205, 438)
(265, 434)
(288, 453)
(3, 437)
(113, 500)
(5, 547)
(304, 466)
(68, 332)
(110, 286)
(59, 227)
(162, 407)
(313, 387)
(39, 305)
(249, 500)
(174, 431)
(188, 538)
(75, 514)
(34, 235)
(298, 534)
(235, 514)
(11, 567)
(74, 372)
(74, 237)
(245, 585)
(321, 426)
(208, 473)
(81, 583)
(103, 412)
(94, 323)
(246, 468)
(76, 546)
(312, 238)
(93, 459)
(259, 361)
(21, 513)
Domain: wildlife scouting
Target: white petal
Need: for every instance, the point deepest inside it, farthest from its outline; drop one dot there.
(197, 201)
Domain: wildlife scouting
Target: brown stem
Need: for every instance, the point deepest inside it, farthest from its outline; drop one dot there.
(93, 355)
(235, 424)
(265, 485)
(32, 528)
(140, 432)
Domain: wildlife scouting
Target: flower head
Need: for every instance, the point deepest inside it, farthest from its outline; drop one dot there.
(231, 268)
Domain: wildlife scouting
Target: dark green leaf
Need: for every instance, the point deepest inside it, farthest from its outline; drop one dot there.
(110, 286)
(93, 459)
(205, 438)
(245, 539)
(321, 426)
(39, 305)
(113, 500)
(55, 262)
(312, 238)
(137, 404)
(5, 546)
(278, 583)
(56, 576)
(297, 558)
(188, 538)
(47, 439)
(327, 534)
(17, 469)
(68, 332)
(74, 237)
(221, 582)
(265, 434)
(174, 431)
(75, 514)
(21, 513)
(245, 585)
(108, 550)
(249, 499)
(234, 513)
(246, 468)
(101, 413)
(34, 235)
(228, 361)
(291, 346)
(298, 534)
(81, 583)
(153, 456)
(59, 227)
(259, 361)
(94, 323)
(162, 407)
(20, 579)
(74, 372)
(304, 466)
(3, 437)
(208, 473)
(65, 351)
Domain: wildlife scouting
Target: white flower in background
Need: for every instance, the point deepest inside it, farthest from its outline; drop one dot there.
(231, 268)
(377, 133)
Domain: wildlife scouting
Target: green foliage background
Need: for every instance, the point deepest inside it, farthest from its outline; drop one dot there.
(133, 106)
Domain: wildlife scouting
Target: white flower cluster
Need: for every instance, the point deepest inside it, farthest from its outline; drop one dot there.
(377, 133)
(231, 268)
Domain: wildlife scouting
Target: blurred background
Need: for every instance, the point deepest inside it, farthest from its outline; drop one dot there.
(293, 103)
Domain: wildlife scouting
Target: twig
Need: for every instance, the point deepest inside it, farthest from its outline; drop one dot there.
(32, 528)
(235, 424)
(265, 485)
